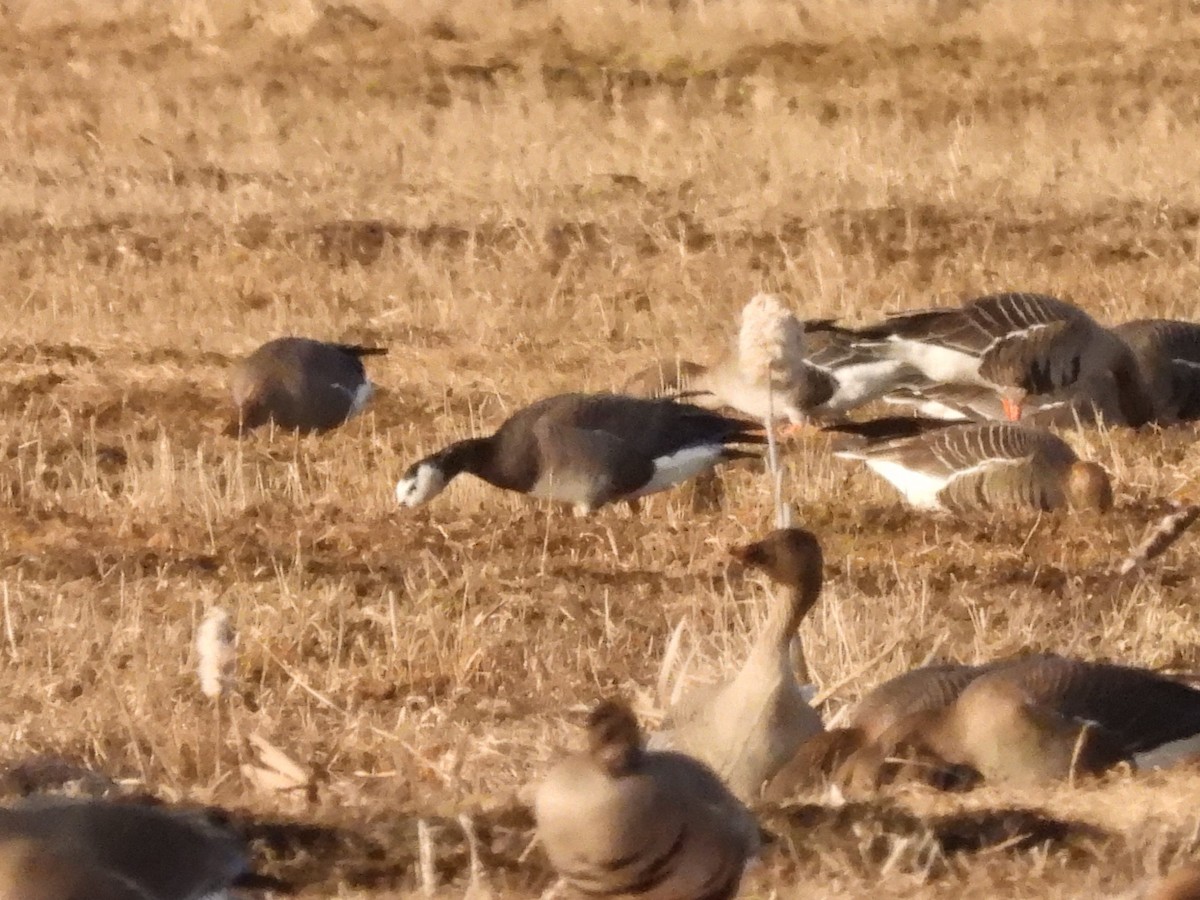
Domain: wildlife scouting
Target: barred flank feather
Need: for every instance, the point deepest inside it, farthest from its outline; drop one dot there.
(1160, 538)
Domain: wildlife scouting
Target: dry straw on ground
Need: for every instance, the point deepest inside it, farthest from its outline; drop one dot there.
(521, 198)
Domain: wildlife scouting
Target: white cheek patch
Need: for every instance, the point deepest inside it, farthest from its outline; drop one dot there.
(420, 487)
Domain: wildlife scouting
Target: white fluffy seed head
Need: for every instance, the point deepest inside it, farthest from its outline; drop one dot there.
(420, 484)
(216, 648)
(770, 341)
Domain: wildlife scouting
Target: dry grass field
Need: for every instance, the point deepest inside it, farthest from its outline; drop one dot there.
(520, 197)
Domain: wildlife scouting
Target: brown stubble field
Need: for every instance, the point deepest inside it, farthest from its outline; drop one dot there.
(519, 198)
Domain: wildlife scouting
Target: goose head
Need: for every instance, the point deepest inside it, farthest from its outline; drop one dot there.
(792, 558)
(421, 482)
(1089, 487)
(614, 739)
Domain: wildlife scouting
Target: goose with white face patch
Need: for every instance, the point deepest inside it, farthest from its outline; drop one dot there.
(69, 849)
(301, 385)
(588, 450)
(1017, 344)
(948, 466)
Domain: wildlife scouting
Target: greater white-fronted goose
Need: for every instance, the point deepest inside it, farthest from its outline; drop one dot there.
(815, 368)
(301, 385)
(1018, 344)
(620, 821)
(127, 851)
(750, 725)
(976, 466)
(1046, 718)
(918, 690)
(587, 450)
(1168, 352)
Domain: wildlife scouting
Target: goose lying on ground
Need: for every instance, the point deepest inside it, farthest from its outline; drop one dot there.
(749, 726)
(918, 690)
(301, 384)
(1042, 718)
(587, 450)
(1168, 353)
(60, 849)
(964, 467)
(1017, 344)
(620, 821)
(816, 370)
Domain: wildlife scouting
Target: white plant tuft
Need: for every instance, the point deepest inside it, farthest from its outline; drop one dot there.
(770, 341)
(216, 647)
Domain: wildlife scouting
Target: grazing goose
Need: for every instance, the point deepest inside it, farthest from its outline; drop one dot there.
(1168, 353)
(50, 848)
(918, 690)
(620, 821)
(587, 450)
(748, 727)
(1019, 345)
(814, 369)
(1047, 718)
(964, 467)
(301, 384)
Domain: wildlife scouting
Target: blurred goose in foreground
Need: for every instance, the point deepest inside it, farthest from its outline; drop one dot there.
(812, 369)
(1017, 344)
(620, 821)
(749, 726)
(587, 450)
(953, 467)
(301, 384)
(60, 849)
(1168, 352)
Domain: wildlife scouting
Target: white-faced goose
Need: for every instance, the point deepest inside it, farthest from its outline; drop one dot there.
(121, 851)
(963, 467)
(301, 385)
(750, 725)
(587, 450)
(620, 821)
(1019, 345)
(1168, 352)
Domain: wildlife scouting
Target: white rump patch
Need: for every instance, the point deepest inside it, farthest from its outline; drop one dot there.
(936, 362)
(361, 398)
(920, 489)
(861, 382)
(679, 467)
(421, 486)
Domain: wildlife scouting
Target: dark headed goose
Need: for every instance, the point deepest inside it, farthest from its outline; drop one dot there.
(620, 821)
(1017, 344)
(587, 450)
(1168, 352)
(750, 725)
(301, 384)
(50, 848)
(963, 467)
